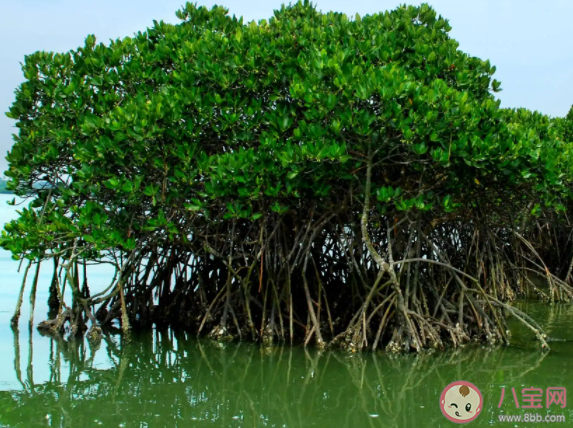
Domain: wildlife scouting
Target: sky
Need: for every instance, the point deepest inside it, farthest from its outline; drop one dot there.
(528, 41)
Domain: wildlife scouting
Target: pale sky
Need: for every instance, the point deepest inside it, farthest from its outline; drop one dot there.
(529, 41)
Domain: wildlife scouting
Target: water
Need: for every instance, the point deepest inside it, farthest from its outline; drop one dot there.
(170, 379)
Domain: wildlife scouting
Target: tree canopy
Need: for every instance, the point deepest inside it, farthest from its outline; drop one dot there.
(311, 148)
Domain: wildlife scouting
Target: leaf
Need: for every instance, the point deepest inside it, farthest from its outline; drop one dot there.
(130, 244)
(150, 190)
(90, 40)
(127, 186)
(88, 238)
(192, 207)
(112, 183)
(420, 148)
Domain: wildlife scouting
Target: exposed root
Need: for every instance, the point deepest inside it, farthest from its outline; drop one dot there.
(221, 334)
(398, 281)
(94, 334)
(56, 325)
(16, 316)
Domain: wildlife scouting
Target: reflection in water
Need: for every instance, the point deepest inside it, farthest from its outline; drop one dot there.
(556, 318)
(169, 379)
(17, 370)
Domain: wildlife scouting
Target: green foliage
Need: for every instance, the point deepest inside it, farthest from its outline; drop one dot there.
(565, 126)
(214, 119)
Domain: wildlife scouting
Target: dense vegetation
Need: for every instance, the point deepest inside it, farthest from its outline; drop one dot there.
(312, 177)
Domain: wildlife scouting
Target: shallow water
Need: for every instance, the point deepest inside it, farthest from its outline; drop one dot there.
(170, 379)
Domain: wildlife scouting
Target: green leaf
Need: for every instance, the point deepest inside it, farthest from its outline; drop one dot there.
(127, 186)
(130, 244)
(112, 183)
(420, 148)
(89, 238)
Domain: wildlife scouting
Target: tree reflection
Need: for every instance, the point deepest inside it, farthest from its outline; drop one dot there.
(167, 378)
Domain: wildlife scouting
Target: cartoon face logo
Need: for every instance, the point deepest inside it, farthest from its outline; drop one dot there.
(461, 402)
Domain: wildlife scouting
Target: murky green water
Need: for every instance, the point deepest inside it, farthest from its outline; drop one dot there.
(169, 379)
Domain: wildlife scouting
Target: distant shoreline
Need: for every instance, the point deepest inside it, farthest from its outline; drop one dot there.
(3, 190)
(36, 185)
